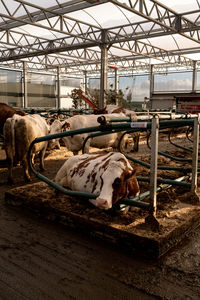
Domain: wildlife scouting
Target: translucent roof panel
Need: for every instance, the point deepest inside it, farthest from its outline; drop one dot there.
(181, 6)
(171, 42)
(106, 16)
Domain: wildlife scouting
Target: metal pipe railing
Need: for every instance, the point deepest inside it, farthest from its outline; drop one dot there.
(107, 129)
(134, 202)
(144, 164)
(179, 146)
(146, 194)
(168, 181)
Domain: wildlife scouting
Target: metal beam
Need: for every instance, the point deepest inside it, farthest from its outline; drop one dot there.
(59, 45)
(43, 13)
(166, 18)
(69, 27)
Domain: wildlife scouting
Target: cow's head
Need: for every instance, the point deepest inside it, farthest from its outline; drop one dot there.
(55, 127)
(117, 183)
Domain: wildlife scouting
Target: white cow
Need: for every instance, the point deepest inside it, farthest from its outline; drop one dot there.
(109, 175)
(19, 132)
(56, 127)
(75, 143)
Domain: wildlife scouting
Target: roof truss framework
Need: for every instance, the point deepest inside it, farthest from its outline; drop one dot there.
(73, 34)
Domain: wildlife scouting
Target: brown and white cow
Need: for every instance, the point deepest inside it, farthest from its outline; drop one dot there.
(115, 109)
(109, 175)
(75, 143)
(6, 112)
(19, 132)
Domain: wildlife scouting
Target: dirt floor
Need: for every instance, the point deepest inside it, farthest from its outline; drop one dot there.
(41, 259)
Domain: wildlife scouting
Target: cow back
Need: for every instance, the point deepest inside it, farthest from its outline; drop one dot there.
(26, 130)
(84, 121)
(6, 112)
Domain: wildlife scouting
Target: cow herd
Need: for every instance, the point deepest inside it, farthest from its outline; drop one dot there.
(108, 175)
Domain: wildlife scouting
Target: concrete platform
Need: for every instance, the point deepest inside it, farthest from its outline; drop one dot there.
(127, 231)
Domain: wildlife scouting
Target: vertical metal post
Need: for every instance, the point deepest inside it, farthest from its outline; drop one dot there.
(151, 84)
(58, 88)
(194, 77)
(24, 82)
(154, 162)
(195, 154)
(104, 67)
(116, 85)
(85, 81)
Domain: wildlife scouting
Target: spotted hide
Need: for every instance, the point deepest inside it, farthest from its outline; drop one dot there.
(108, 175)
(75, 142)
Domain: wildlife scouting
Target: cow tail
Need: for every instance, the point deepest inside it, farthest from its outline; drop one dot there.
(12, 130)
(24, 134)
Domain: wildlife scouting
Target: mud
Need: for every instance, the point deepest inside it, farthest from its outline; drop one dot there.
(41, 259)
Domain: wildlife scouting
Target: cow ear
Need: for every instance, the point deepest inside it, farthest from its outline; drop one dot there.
(50, 121)
(133, 172)
(129, 174)
(65, 126)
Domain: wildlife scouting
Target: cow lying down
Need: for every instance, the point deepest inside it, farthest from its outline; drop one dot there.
(109, 175)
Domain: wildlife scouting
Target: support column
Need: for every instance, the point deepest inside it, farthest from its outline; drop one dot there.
(194, 77)
(85, 81)
(154, 161)
(24, 85)
(195, 154)
(58, 88)
(104, 67)
(151, 83)
(116, 85)
(151, 218)
(193, 196)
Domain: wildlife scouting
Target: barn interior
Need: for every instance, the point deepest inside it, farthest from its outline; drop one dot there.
(143, 56)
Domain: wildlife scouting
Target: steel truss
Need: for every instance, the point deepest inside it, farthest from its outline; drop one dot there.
(77, 44)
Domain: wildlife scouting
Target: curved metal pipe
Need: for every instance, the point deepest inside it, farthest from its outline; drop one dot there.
(160, 188)
(179, 146)
(108, 132)
(117, 127)
(168, 181)
(187, 133)
(142, 163)
(96, 135)
(170, 156)
(176, 145)
(134, 202)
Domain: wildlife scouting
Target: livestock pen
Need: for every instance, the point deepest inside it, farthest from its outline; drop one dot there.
(155, 229)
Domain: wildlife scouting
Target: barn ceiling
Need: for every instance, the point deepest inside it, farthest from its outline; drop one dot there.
(70, 34)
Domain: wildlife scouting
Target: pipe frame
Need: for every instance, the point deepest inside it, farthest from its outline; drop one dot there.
(195, 154)
(116, 127)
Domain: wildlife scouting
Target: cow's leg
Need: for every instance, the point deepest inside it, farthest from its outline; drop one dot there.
(136, 139)
(25, 167)
(10, 169)
(41, 155)
(10, 159)
(86, 147)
